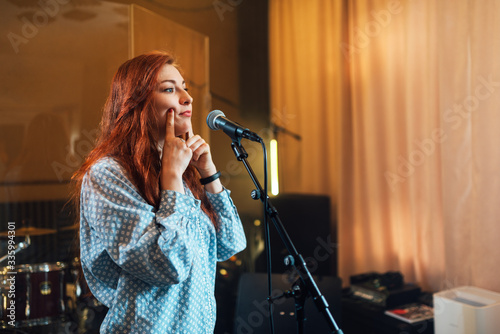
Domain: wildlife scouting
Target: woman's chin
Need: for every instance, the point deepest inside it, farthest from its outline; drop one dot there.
(182, 129)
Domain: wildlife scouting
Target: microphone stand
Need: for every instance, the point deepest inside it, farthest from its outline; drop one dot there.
(295, 259)
(299, 295)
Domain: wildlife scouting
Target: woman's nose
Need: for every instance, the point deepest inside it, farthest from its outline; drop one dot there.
(186, 98)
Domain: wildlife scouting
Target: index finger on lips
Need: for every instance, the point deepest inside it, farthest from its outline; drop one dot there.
(170, 130)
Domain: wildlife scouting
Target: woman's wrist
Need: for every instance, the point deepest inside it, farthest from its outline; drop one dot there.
(207, 172)
(210, 179)
(171, 181)
(214, 187)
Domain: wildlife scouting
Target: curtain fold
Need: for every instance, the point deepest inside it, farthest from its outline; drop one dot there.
(301, 96)
(397, 103)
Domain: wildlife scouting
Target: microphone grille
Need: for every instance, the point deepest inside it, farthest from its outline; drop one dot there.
(211, 119)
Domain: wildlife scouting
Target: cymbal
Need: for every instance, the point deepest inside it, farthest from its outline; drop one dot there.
(70, 227)
(29, 231)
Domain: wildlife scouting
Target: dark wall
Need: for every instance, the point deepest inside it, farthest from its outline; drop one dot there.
(253, 38)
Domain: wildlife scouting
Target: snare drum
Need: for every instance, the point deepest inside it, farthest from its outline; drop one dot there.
(32, 294)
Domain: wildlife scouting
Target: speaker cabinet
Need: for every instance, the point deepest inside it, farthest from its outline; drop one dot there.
(308, 221)
(252, 313)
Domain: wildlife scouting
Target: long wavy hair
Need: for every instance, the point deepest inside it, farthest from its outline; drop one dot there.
(129, 131)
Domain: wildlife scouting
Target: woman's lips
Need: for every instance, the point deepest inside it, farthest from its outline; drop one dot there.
(186, 113)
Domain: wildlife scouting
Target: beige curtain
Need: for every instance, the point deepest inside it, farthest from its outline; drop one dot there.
(397, 103)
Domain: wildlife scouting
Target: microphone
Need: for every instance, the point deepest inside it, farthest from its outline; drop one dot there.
(216, 120)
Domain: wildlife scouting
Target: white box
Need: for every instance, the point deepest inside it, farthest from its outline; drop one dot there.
(467, 310)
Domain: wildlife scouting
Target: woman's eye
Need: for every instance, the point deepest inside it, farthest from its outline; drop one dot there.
(168, 90)
(186, 89)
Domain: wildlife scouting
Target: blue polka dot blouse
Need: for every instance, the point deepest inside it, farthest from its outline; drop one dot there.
(154, 269)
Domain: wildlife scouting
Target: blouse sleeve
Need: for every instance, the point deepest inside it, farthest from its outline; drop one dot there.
(230, 234)
(155, 246)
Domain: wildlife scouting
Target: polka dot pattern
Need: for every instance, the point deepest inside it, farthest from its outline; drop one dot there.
(154, 269)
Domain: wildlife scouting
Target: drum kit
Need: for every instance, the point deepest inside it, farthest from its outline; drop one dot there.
(43, 295)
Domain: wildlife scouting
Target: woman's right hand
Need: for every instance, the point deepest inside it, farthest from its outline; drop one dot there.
(175, 159)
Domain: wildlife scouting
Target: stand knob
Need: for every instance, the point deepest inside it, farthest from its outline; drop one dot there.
(255, 194)
(289, 261)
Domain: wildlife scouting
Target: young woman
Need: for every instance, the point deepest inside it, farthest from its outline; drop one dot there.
(154, 217)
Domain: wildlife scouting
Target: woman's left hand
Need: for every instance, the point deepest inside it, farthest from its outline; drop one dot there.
(202, 160)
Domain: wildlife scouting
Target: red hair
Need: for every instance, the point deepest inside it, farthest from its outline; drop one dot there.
(129, 131)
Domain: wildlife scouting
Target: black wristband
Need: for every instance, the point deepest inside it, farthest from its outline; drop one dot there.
(207, 180)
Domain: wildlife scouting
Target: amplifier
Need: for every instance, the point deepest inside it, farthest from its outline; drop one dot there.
(388, 298)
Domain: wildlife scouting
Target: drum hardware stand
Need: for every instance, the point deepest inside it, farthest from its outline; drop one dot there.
(19, 247)
(308, 285)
